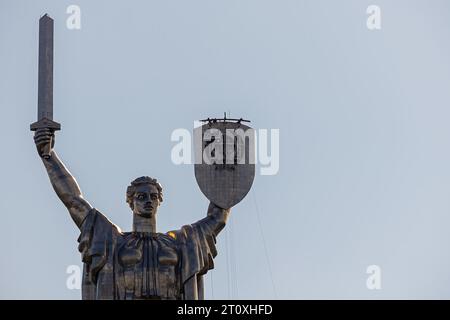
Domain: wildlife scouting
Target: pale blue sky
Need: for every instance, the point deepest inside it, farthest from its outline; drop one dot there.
(363, 116)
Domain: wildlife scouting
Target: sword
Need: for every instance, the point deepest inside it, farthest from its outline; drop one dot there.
(45, 82)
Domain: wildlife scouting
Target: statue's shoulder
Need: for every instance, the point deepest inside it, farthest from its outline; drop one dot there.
(96, 219)
(177, 235)
(183, 234)
(170, 236)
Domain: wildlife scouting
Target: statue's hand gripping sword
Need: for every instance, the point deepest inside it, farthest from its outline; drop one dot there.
(45, 82)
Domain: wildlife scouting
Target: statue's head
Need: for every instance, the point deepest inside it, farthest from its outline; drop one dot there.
(144, 196)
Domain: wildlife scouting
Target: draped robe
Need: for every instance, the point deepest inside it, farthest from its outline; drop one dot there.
(137, 265)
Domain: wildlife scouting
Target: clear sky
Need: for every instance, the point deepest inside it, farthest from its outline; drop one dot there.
(363, 116)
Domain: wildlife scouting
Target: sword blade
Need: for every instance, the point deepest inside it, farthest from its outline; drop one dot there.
(45, 82)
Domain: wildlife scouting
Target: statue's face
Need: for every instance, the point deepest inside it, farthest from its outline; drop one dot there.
(146, 201)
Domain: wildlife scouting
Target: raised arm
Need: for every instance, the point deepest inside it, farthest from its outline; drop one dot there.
(63, 182)
(218, 217)
(215, 220)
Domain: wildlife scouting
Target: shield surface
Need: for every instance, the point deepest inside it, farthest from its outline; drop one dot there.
(224, 161)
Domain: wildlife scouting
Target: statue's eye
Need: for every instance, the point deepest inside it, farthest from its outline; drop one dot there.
(153, 196)
(141, 196)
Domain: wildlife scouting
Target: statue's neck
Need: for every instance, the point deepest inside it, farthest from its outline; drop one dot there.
(141, 224)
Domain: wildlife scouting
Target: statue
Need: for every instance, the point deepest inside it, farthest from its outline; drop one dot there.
(143, 263)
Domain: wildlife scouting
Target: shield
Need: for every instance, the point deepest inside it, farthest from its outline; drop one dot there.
(224, 161)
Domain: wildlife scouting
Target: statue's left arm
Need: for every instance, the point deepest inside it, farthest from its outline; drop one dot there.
(198, 249)
(215, 220)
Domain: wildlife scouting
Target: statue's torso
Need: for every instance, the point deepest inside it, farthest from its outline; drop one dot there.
(150, 265)
(132, 265)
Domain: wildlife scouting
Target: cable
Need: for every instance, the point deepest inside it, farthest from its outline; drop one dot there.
(227, 244)
(233, 262)
(212, 285)
(264, 244)
(236, 291)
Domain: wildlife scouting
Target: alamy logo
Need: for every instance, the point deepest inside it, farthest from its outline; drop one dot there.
(374, 280)
(374, 19)
(73, 281)
(73, 22)
(212, 146)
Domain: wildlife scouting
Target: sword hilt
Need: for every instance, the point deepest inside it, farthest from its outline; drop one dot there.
(46, 123)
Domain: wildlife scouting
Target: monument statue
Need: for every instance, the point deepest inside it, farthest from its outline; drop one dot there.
(143, 263)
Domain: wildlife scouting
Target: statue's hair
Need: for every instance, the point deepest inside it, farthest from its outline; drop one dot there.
(140, 181)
